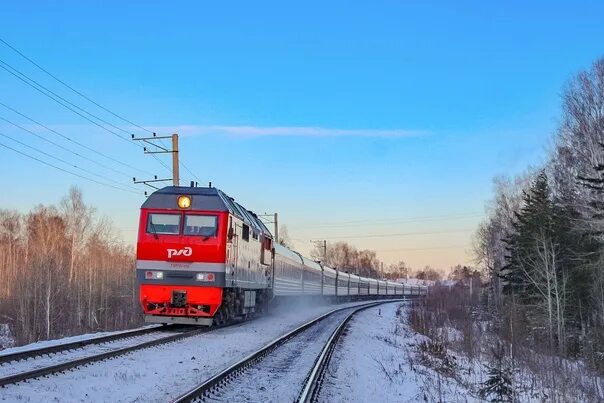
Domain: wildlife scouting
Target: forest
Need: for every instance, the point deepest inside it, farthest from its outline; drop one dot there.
(63, 271)
(541, 244)
(529, 324)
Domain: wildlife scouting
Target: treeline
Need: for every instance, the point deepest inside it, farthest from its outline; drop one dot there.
(62, 272)
(542, 243)
(365, 262)
(343, 256)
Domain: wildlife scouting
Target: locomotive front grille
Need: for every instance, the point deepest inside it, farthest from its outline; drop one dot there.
(179, 299)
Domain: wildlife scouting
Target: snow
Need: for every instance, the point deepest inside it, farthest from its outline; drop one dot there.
(163, 372)
(64, 340)
(6, 338)
(375, 361)
(280, 376)
(70, 355)
(380, 358)
(449, 334)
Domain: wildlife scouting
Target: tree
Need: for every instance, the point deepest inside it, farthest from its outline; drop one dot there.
(63, 272)
(576, 169)
(284, 238)
(343, 256)
(78, 218)
(428, 273)
(533, 268)
(542, 243)
(465, 276)
(498, 385)
(490, 248)
(398, 270)
(545, 266)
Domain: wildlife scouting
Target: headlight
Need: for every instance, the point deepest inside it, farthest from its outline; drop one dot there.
(154, 275)
(184, 202)
(205, 277)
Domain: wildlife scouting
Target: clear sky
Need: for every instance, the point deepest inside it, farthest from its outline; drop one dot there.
(380, 122)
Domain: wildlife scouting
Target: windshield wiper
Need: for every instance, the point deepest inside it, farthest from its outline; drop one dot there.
(154, 230)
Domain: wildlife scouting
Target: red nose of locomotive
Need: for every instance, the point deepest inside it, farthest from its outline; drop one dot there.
(181, 254)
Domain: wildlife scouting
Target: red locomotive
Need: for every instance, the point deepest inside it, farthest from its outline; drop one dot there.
(204, 259)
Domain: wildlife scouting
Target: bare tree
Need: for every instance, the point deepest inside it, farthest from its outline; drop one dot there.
(398, 270)
(343, 256)
(284, 238)
(63, 272)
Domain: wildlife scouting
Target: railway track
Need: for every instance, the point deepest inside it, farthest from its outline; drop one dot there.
(314, 380)
(290, 368)
(37, 352)
(40, 362)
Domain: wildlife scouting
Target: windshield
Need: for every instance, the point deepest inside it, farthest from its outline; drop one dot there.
(202, 225)
(163, 224)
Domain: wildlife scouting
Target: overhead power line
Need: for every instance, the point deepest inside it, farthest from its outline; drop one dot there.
(421, 249)
(67, 171)
(93, 102)
(61, 101)
(58, 99)
(70, 140)
(189, 171)
(65, 162)
(386, 221)
(400, 234)
(73, 89)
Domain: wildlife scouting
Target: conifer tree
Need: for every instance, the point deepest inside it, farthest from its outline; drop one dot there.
(498, 386)
(536, 272)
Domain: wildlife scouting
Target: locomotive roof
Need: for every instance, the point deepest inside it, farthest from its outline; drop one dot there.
(203, 198)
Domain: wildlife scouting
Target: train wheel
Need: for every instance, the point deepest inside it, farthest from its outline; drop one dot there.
(219, 317)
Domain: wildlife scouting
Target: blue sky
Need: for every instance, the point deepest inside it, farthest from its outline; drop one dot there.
(351, 119)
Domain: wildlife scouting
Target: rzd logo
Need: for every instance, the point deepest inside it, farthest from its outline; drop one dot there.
(187, 251)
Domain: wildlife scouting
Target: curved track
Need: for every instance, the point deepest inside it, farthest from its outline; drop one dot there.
(287, 369)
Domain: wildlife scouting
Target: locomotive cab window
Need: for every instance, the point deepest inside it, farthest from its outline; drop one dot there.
(163, 224)
(201, 225)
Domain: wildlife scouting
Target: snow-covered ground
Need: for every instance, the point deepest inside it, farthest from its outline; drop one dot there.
(279, 377)
(13, 368)
(381, 359)
(164, 372)
(374, 362)
(6, 338)
(64, 340)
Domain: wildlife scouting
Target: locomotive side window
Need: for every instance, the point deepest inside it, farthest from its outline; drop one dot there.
(163, 224)
(245, 233)
(202, 225)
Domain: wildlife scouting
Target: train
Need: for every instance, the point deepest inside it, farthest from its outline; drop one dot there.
(204, 259)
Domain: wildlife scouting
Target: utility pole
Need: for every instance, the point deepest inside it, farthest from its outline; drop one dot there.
(323, 245)
(160, 148)
(175, 164)
(276, 224)
(275, 221)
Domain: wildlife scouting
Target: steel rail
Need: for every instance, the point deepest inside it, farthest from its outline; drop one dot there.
(26, 354)
(231, 372)
(314, 379)
(22, 376)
